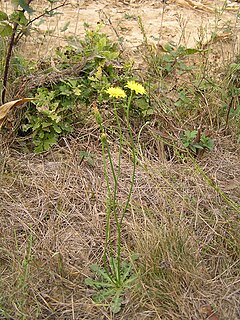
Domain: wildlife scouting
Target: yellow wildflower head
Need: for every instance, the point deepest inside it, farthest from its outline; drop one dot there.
(116, 92)
(135, 86)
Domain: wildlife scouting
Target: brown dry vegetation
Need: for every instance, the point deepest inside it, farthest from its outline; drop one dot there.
(52, 229)
(183, 222)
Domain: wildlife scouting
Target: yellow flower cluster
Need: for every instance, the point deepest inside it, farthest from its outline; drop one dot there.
(117, 92)
(135, 86)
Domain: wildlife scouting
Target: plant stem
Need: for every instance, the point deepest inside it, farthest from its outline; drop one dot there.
(115, 194)
(7, 62)
(108, 207)
(113, 207)
(112, 195)
(8, 58)
(133, 156)
(20, 34)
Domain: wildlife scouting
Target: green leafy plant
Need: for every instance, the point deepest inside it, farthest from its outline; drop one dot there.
(8, 21)
(184, 100)
(173, 58)
(55, 109)
(107, 286)
(189, 140)
(52, 114)
(169, 60)
(103, 63)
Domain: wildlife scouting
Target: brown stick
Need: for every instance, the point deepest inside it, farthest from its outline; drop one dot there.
(228, 112)
(7, 63)
(8, 58)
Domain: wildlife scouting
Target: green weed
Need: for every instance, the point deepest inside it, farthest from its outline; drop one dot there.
(116, 277)
(108, 287)
(189, 140)
(52, 115)
(60, 106)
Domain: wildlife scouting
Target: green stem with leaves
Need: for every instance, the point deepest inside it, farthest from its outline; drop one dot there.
(112, 194)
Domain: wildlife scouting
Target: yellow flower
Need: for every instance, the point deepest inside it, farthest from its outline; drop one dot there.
(116, 92)
(135, 86)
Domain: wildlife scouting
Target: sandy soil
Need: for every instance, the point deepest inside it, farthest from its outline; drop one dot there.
(179, 21)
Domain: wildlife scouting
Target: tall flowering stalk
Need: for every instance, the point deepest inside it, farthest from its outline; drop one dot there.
(116, 93)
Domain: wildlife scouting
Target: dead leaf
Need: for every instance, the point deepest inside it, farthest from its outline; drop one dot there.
(7, 107)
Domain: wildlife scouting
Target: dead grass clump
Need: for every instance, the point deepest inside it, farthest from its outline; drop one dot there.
(190, 248)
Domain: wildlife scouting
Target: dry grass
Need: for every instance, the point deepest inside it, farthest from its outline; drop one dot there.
(53, 228)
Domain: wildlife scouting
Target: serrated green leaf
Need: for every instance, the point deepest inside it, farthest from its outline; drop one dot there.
(3, 16)
(41, 135)
(5, 29)
(100, 272)
(46, 124)
(190, 134)
(48, 143)
(116, 303)
(197, 146)
(57, 128)
(130, 281)
(206, 142)
(109, 55)
(54, 117)
(186, 143)
(18, 17)
(77, 91)
(90, 282)
(94, 267)
(104, 295)
(14, 17)
(97, 284)
(22, 19)
(39, 148)
(36, 126)
(127, 273)
(168, 47)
